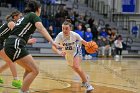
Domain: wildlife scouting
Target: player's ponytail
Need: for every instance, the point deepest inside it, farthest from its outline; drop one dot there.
(11, 16)
(8, 17)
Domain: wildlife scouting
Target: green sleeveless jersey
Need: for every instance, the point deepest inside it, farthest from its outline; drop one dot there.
(4, 32)
(26, 26)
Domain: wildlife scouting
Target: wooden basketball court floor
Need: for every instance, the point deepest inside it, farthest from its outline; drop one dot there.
(106, 75)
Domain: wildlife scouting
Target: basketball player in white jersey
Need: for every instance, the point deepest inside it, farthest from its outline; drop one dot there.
(72, 51)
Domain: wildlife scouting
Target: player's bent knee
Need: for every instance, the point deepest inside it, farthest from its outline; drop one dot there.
(36, 72)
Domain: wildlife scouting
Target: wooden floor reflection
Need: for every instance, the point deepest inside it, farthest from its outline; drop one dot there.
(106, 75)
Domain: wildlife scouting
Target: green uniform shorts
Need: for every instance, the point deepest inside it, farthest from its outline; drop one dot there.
(15, 48)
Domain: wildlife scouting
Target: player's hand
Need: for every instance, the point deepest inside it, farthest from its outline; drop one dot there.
(32, 41)
(62, 53)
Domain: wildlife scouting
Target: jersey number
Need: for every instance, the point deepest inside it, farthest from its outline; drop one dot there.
(19, 21)
(68, 48)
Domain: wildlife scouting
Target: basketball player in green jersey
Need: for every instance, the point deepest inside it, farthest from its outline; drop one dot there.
(5, 31)
(16, 42)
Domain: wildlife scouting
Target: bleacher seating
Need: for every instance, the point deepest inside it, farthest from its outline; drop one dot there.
(41, 47)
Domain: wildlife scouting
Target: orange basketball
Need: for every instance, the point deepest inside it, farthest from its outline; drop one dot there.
(91, 47)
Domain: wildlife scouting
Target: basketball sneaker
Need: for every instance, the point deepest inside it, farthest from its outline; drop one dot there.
(89, 57)
(17, 83)
(117, 58)
(83, 83)
(1, 80)
(87, 86)
(86, 57)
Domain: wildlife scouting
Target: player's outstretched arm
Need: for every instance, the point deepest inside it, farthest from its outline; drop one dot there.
(32, 41)
(62, 53)
(84, 42)
(56, 50)
(43, 31)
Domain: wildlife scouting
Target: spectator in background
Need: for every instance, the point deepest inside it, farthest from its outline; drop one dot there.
(109, 32)
(88, 35)
(94, 32)
(101, 24)
(79, 30)
(50, 30)
(81, 18)
(111, 38)
(107, 27)
(81, 33)
(88, 38)
(135, 30)
(103, 33)
(104, 47)
(114, 30)
(72, 17)
(118, 47)
(90, 22)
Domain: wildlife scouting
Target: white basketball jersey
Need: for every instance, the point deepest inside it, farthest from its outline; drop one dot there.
(70, 43)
